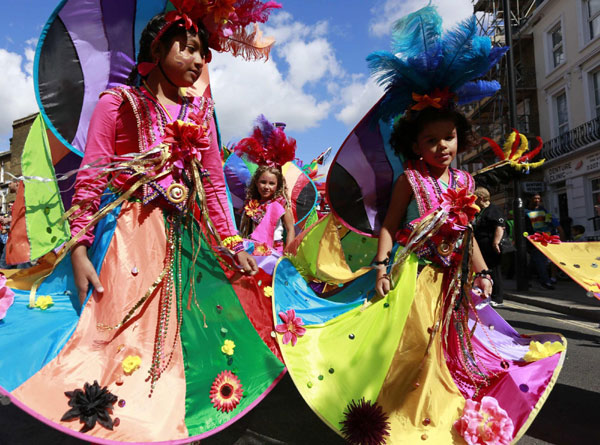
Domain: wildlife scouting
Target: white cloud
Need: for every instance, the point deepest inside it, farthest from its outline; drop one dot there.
(16, 89)
(278, 88)
(243, 90)
(311, 61)
(359, 97)
(391, 10)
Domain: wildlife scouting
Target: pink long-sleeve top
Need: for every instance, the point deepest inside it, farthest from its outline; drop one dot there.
(113, 131)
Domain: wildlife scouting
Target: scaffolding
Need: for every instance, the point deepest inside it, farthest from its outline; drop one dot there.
(491, 115)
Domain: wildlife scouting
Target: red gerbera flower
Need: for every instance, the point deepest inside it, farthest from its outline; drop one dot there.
(226, 392)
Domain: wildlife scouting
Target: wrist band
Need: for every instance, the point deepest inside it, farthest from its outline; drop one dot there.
(385, 262)
(234, 243)
(484, 274)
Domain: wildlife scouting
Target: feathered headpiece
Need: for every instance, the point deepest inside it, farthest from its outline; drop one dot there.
(226, 22)
(515, 152)
(430, 68)
(268, 145)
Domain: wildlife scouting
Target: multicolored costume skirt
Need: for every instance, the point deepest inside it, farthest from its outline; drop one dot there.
(382, 370)
(174, 359)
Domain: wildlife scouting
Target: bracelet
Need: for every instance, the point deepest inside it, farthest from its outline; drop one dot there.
(234, 243)
(385, 262)
(385, 276)
(484, 274)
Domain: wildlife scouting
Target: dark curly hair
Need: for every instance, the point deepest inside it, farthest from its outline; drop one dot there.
(151, 31)
(408, 127)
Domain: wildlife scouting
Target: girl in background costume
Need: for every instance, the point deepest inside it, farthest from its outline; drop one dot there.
(163, 349)
(412, 353)
(267, 212)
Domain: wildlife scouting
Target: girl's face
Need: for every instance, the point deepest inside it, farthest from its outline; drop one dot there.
(183, 61)
(267, 185)
(437, 144)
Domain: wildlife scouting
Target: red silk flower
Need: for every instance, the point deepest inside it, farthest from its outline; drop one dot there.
(460, 205)
(187, 141)
(544, 238)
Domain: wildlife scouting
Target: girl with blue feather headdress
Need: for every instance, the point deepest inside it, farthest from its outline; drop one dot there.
(409, 350)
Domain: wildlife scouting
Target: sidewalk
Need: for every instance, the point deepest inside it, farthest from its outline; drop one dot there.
(568, 298)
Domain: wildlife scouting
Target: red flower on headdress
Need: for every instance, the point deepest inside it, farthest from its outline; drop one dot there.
(187, 141)
(187, 10)
(437, 99)
(222, 10)
(544, 238)
(460, 205)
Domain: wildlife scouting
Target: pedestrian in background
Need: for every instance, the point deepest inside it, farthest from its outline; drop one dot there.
(489, 230)
(539, 221)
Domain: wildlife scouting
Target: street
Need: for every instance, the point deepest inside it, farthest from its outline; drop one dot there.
(568, 417)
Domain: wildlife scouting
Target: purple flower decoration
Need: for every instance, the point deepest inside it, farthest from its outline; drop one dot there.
(365, 423)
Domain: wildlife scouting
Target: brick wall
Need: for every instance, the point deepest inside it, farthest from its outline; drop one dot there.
(12, 159)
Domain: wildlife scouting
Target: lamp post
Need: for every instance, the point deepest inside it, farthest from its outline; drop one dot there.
(518, 209)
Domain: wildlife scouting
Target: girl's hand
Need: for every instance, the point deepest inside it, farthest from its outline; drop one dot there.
(247, 262)
(383, 283)
(84, 272)
(484, 284)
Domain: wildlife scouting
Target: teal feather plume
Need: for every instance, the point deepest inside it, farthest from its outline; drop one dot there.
(425, 58)
(417, 33)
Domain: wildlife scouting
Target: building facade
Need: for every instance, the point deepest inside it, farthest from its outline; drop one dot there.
(556, 51)
(566, 37)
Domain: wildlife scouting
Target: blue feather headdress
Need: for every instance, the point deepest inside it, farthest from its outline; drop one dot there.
(429, 67)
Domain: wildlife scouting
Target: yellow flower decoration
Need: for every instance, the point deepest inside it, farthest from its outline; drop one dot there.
(131, 363)
(227, 347)
(268, 290)
(44, 302)
(538, 351)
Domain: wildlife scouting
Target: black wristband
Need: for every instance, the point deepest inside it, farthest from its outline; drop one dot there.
(380, 263)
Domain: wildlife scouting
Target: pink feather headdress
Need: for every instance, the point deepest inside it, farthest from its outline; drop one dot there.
(268, 145)
(226, 22)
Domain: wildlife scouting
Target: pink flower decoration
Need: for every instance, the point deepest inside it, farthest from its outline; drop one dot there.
(485, 423)
(291, 328)
(460, 205)
(545, 238)
(7, 297)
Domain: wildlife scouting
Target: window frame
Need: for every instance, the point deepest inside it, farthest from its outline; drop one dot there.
(588, 20)
(555, 113)
(550, 47)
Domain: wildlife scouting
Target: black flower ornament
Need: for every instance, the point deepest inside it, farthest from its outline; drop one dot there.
(92, 404)
(365, 423)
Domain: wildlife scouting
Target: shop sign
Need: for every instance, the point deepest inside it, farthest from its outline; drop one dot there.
(533, 187)
(567, 170)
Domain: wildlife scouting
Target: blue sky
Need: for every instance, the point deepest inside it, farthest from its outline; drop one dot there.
(316, 80)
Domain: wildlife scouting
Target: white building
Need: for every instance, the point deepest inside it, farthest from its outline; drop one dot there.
(566, 36)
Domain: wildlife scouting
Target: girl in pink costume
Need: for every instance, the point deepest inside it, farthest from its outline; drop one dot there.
(164, 349)
(267, 213)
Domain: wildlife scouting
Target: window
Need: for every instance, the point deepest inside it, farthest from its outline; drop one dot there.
(596, 93)
(556, 45)
(592, 14)
(596, 196)
(562, 113)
